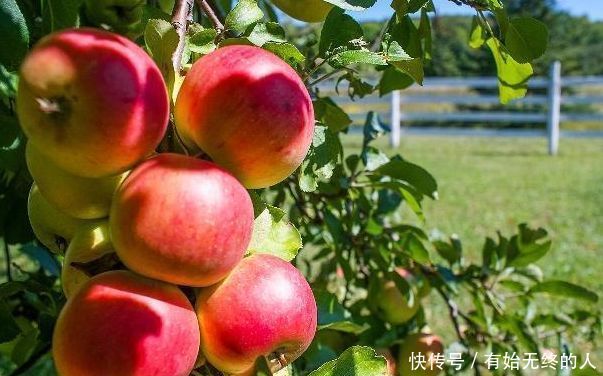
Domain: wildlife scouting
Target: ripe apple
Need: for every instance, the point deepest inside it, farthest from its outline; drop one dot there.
(53, 228)
(181, 220)
(264, 307)
(122, 16)
(427, 345)
(305, 10)
(92, 101)
(391, 304)
(120, 323)
(91, 244)
(249, 111)
(86, 198)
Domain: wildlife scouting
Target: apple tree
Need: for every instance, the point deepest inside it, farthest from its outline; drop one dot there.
(239, 222)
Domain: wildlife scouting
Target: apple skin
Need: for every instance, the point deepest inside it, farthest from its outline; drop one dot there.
(86, 198)
(249, 111)
(122, 324)
(181, 220)
(90, 243)
(305, 10)
(92, 101)
(419, 343)
(264, 307)
(392, 304)
(53, 228)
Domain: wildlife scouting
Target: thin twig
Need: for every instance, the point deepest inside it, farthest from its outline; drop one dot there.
(9, 275)
(324, 77)
(180, 17)
(211, 14)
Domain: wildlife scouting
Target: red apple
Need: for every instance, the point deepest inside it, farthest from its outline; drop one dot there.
(249, 111)
(425, 345)
(264, 307)
(181, 220)
(392, 366)
(92, 101)
(122, 324)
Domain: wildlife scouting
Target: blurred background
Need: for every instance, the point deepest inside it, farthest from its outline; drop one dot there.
(495, 172)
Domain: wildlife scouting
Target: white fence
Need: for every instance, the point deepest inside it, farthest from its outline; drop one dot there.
(548, 100)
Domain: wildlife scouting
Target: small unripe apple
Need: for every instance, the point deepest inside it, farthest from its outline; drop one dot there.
(53, 228)
(91, 244)
(122, 16)
(391, 304)
(181, 220)
(249, 111)
(392, 366)
(305, 10)
(264, 308)
(426, 345)
(86, 198)
(122, 324)
(92, 101)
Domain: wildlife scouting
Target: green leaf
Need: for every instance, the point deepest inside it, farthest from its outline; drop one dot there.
(244, 14)
(286, 51)
(527, 247)
(201, 40)
(526, 39)
(411, 173)
(13, 33)
(477, 38)
(413, 68)
(450, 251)
(565, 290)
(363, 56)
(373, 128)
(357, 360)
(404, 7)
(273, 235)
(263, 33)
(415, 248)
(393, 79)
(352, 4)
(9, 329)
(373, 158)
(323, 158)
(339, 30)
(161, 40)
(512, 76)
(61, 14)
(330, 114)
(345, 326)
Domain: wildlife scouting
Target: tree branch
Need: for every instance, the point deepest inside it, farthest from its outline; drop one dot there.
(9, 275)
(209, 12)
(180, 17)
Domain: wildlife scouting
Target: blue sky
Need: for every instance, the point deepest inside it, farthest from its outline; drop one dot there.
(591, 8)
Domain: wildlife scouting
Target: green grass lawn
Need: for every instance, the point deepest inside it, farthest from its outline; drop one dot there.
(490, 184)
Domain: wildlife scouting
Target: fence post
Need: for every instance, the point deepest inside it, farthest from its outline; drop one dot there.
(394, 140)
(554, 107)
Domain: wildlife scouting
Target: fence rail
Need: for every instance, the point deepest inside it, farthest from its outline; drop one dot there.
(548, 101)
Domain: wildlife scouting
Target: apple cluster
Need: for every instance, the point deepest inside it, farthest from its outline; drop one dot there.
(155, 269)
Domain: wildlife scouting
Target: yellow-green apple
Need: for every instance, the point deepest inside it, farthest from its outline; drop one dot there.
(53, 228)
(91, 244)
(264, 308)
(181, 220)
(123, 324)
(80, 197)
(121, 16)
(424, 348)
(92, 101)
(249, 111)
(392, 366)
(305, 10)
(391, 304)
